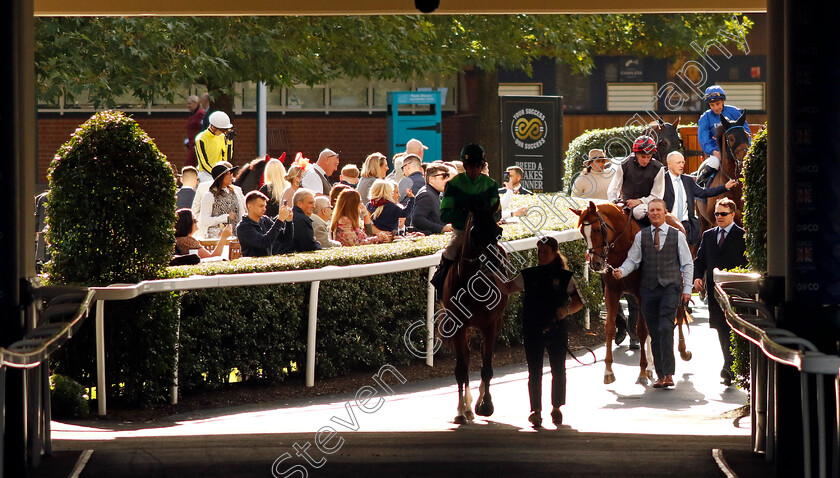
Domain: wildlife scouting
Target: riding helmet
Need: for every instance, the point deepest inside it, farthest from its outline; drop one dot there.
(714, 93)
(644, 144)
(472, 154)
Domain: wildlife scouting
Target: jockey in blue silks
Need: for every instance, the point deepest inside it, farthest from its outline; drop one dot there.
(706, 127)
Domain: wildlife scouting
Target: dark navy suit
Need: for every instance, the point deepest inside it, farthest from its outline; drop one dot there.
(692, 191)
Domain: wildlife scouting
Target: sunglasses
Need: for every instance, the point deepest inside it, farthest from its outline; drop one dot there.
(722, 214)
(443, 175)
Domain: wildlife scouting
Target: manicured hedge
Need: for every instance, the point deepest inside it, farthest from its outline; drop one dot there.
(754, 181)
(617, 143)
(111, 214)
(362, 323)
(755, 202)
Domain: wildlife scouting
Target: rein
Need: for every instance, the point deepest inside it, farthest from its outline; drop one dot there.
(608, 245)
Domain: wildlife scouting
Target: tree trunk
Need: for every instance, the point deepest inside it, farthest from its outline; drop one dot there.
(488, 126)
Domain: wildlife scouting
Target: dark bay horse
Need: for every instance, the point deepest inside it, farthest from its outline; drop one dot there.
(667, 138)
(472, 301)
(733, 144)
(250, 176)
(609, 232)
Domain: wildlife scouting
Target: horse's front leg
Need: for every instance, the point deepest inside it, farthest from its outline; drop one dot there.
(611, 295)
(645, 359)
(484, 404)
(462, 376)
(685, 354)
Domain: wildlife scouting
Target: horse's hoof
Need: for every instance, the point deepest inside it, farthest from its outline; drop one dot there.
(609, 378)
(485, 408)
(686, 356)
(460, 420)
(469, 415)
(643, 380)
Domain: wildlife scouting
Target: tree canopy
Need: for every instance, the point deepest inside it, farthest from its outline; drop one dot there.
(109, 57)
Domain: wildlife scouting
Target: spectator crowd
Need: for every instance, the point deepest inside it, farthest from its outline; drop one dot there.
(298, 208)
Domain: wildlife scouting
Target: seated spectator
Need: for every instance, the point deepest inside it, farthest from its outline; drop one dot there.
(222, 204)
(426, 216)
(304, 238)
(385, 211)
(375, 167)
(413, 180)
(294, 178)
(396, 175)
(349, 175)
(260, 235)
(186, 226)
(335, 191)
(186, 194)
(321, 222)
(345, 227)
(274, 185)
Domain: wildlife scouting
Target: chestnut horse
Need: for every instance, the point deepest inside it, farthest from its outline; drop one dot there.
(472, 301)
(733, 144)
(609, 232)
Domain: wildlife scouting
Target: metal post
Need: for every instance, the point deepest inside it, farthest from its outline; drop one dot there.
(101, 386)
(2, 414)
(311, 333)
(430, 320)
(262, 144)
(761, 401)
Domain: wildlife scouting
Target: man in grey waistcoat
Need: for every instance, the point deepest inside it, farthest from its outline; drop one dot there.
(667, 272)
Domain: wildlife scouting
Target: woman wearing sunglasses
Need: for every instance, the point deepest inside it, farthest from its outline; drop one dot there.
(426, 218)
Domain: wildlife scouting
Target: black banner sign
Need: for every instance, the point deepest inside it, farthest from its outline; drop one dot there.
(532, 138)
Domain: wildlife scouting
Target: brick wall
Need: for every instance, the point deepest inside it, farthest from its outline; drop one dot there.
(353, 136)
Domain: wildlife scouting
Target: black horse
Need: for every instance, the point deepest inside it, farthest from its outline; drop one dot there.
(250, 175)
(667, 138)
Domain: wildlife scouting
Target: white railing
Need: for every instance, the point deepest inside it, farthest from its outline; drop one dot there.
(315, 276)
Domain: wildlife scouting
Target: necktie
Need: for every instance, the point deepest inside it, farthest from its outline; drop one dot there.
(721, 237)
(680, 201)
(656, 238)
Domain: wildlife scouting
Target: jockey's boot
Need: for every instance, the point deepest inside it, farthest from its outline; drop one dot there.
(704, 175)
(440, 276)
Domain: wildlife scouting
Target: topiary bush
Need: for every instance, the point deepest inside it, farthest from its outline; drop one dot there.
(68, 398)
(616, 142)
(111, 216)
(754, 181)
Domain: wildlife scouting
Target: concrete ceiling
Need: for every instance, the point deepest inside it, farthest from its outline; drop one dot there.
(375, 7)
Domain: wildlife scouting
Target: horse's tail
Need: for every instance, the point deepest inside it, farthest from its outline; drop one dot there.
(683, 316)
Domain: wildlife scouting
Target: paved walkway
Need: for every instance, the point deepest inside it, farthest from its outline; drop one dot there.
(619, 428)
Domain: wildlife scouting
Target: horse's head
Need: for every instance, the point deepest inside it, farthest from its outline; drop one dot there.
(594, 230)
(667, 137)
(735, 139)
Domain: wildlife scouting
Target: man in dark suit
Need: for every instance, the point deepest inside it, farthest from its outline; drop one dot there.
(304, 235)
(721, 247)
(680, 192)
(426, 215)
(512, 181)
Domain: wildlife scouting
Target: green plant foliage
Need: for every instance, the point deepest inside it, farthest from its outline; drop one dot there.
(740, 348)
(111, 215)
(111, 206)
(755, 202)
(68, 398)
(616, 142)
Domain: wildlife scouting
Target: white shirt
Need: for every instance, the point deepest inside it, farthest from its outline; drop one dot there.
(634, 256)
(312, 181)
(656, 192)
(679, 192)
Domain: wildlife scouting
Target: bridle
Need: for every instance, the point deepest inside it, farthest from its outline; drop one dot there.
(732, 153)
(608, 245)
